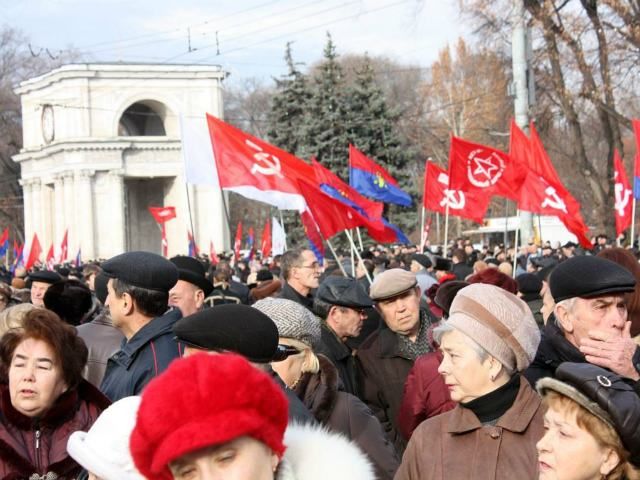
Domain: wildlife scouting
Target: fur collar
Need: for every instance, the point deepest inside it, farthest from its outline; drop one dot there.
(314, 453)
(318, 391)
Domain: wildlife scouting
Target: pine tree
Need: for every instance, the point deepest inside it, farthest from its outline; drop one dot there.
(325, 128)
(288, 107)
(371, 129)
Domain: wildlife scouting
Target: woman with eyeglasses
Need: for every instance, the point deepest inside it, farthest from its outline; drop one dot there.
(316, 382)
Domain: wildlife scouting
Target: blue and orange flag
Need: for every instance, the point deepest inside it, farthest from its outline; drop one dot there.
(4, 242)
(373, 181)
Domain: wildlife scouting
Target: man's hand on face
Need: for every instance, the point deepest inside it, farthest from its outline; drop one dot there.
(612, 352)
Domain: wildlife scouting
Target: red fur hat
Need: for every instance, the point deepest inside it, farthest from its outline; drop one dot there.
(493, 276)
(201, 401)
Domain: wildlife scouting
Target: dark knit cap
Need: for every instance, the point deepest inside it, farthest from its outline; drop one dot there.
(346, 292)
(142, 269)
(589, 276)
(442, 264)
(232, 328)
(44, 276)
(192, 271)
(422, 260)
(529, 283)
(264, 275)
(100, 285)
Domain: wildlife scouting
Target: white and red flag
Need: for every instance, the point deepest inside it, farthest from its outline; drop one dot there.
(256, 169)
(623, 195)
(438, 194)
(161, 216)
(64, 247)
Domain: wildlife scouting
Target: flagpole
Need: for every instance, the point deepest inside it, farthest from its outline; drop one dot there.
(540, 230)
(335, 255)
(438, 225)
(359, 240)
(283, 229)
(422, 229)
(353, 262)
(633, 221)
(515, 242)
(446, 231)
(193, 232)
(366, 272)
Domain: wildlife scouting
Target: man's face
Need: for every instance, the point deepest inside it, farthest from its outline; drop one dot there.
(415, 266)
(348, 321)
(307, 273)
(186, 297)
(38, 289)
(115, 304)
(402, 312)
(607, 314)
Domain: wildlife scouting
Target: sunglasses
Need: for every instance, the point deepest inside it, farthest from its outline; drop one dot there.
(283, 352)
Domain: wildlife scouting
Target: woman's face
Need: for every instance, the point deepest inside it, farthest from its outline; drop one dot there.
(35, 378)
(567, 452)
(241, 459)
(464, 374)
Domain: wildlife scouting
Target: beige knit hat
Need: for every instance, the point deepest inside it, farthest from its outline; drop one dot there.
(292, 319)
(498, 321)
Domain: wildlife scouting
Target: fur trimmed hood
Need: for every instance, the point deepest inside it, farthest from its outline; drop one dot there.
(314, 453)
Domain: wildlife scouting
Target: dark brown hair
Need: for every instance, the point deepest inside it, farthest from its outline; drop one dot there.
(626, 259)
(40, 324)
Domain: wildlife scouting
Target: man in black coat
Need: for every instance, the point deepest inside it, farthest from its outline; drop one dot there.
(590, 322)
(341, 302)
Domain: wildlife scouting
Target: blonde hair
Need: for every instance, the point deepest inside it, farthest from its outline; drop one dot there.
(603, 433)
(311, 364)
(12, 317)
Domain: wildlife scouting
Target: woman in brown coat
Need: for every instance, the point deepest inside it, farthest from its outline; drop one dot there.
(317, 383)
(493, 431)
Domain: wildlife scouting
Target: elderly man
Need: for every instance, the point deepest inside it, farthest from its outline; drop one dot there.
(192, 287)
(589, 323)
(341, 302)
(138, 294)
(385, 358)
(243, 330)
(40, 283)
(301, 274)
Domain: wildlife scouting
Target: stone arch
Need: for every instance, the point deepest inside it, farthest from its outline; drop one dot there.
(146, 117)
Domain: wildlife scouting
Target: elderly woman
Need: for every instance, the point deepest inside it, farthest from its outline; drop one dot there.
(43, 397)
(218, 416)
(317, 383)
(592, 425)
(489, 338)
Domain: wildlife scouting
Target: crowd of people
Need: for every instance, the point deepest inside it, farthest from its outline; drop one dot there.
(475, 362)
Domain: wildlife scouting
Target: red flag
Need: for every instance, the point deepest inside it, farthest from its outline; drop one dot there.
(5, 236)
(213, 256)
(255, 169)
(237, 244)
(437, 195)
(539, 161)
(335, 186)
(64, 246)
(265, 243)
(623, 195)
(50, 254)
(482, 169)
(331, 215)
(313, 234)
(165, 243)
(636, 167)
(34, 253)
(163, 214)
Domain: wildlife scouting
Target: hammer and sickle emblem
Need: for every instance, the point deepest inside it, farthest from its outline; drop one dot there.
(622, 198)
(454, 198)
(553, 200)
(266, 163)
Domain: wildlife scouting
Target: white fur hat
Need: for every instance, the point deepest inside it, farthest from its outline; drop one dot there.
(104, 449)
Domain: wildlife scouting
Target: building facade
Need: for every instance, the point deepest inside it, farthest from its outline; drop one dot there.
(101, 143)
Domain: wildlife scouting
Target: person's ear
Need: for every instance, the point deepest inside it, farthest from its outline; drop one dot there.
(564, 317)
(127, 304)
(610, 462)
(275, 461)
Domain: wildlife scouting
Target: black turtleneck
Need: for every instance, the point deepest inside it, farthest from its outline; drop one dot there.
(491, 406)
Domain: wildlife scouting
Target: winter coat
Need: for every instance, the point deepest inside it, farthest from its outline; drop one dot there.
(382, 371)
(535, 303)
(341, 356)
(289, 293)
(29, 446)
(313, 453)
(146, 355)
(344, 413)
(425, 394)
(455, 445)
(103, 340)
(298, 412)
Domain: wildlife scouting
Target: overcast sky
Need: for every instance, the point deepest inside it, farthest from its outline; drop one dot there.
(246, 37)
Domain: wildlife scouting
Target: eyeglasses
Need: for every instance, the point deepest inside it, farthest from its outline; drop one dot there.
(283, 352)
(314, 266)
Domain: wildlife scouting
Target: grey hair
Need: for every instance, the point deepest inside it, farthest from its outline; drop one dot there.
(567, 304)
(482, 354)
